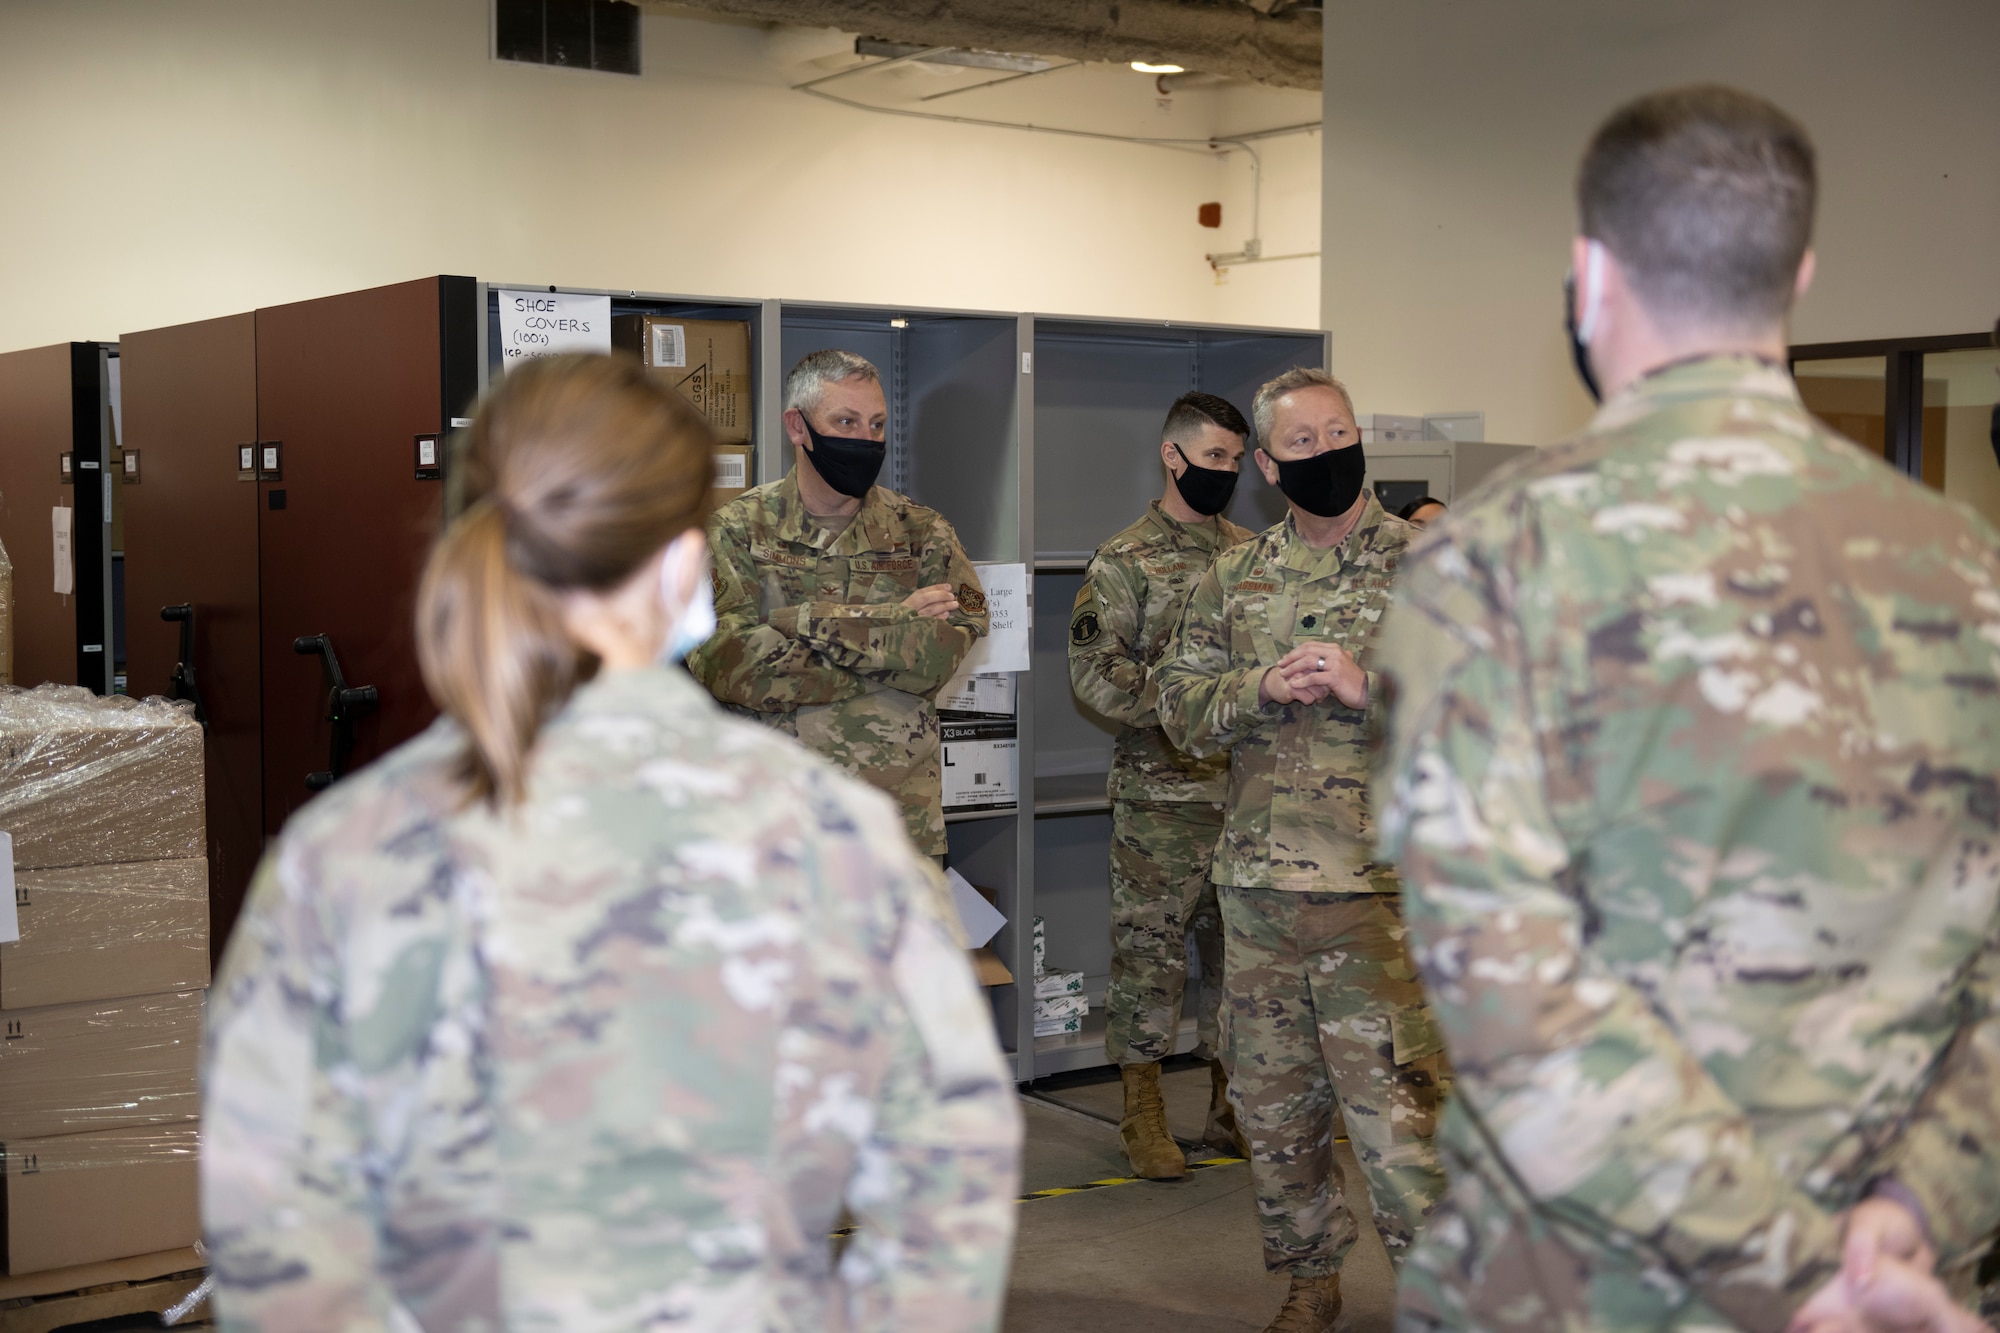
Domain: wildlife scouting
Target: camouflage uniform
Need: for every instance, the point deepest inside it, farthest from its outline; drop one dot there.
(815, 641)
(1321, 995)
(615, 1060)
(1166, 807)
(1691, 777)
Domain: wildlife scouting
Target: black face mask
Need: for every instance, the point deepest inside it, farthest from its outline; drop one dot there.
(1579, 352)
(848, 465)
(1206, 489)
(1326, 484)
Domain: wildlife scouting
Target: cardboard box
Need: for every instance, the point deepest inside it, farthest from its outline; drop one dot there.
(707, 360)
(84, 1198)
(988, 968)
(1059, 1027)
(981, 764)
(96, 781)
(105, 1064)
(1049, 985)
(1062, 1006)
(103, 932)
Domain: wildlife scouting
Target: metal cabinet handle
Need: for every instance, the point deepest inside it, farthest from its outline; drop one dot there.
(345, 705)
(182, 684)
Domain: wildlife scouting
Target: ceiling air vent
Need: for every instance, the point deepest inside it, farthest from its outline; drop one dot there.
(577, 34)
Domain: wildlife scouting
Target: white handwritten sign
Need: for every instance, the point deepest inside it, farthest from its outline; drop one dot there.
(538, 324)
(1005, 647)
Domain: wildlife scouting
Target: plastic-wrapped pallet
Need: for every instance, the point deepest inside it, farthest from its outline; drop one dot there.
(104, 992)
(96, 781)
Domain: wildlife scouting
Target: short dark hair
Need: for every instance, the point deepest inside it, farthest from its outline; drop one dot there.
(1418, 503)
(1192, 411)
(1706, 196)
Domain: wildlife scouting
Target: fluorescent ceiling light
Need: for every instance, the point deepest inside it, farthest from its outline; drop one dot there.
(1145, 68)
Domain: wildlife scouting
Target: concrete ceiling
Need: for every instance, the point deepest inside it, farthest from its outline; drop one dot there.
(1263, 41)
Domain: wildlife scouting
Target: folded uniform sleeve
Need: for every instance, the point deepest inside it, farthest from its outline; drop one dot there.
(761, 663)
(287, 1209)
(888, 645)
(1584, 1095)
(1104, 673)
(1206, 704)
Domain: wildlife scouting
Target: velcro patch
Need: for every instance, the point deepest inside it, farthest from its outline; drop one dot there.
(1255, 585)
(971, 600)
(1084, 630)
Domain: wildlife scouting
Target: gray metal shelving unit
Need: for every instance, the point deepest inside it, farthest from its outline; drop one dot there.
(1034, 435)
(1100, 388)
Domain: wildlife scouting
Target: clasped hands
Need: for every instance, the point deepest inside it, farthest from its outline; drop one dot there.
(937, 601)
(1886, 1281)
(1311, 672)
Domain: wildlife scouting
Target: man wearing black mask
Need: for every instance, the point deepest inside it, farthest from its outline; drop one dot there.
(1272, 665)
(842, 607)
(1166, 807)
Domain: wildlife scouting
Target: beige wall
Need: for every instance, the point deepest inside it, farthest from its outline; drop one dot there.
(1453, 132)
(171, 161)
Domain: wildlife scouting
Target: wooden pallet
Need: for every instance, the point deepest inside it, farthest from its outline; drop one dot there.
(151, 1283)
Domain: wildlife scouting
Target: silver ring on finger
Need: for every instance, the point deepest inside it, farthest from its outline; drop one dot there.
(1322, 664)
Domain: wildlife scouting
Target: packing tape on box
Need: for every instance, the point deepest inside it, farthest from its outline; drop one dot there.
(180, 1142)
(86, 780)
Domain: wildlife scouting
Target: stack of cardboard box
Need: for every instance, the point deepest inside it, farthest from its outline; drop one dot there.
(708, 363)
(1060, 1004)
(102, 994)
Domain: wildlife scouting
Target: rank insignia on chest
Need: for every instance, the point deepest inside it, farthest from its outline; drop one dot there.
(971, 600)
(1084, 629)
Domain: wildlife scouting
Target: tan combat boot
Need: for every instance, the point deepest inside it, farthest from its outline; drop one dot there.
(1150, 1148)
(1223, 1134)
(1311, 1306)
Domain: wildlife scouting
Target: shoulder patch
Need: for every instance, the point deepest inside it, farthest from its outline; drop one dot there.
(1084, 630)
(971, 600)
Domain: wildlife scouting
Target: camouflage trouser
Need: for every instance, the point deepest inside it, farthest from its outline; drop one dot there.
(1324, 1008)
(1160, 897)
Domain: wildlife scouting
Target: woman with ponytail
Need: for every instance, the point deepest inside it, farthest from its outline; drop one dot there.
(592, 1008)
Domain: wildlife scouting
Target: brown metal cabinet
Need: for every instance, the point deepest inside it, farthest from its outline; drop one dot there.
(55, 448)
(305, 558)
(190, 406)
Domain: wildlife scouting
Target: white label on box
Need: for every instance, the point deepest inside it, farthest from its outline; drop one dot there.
(670, 345)
(989, 692)
(1006, 646)
(981, 919)
(980, 772)
(10, 920)
(65, 562)
(732, 472)
(538, 324)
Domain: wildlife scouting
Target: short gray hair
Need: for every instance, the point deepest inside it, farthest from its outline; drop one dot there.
(806, 382)
(1298, 377)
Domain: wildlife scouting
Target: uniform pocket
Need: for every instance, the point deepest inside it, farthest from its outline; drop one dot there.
(1414, 1034)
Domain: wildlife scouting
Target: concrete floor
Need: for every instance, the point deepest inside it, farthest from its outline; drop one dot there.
(1179, 1255)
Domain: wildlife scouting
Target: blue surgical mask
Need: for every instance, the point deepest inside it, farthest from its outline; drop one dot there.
(695, 624)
